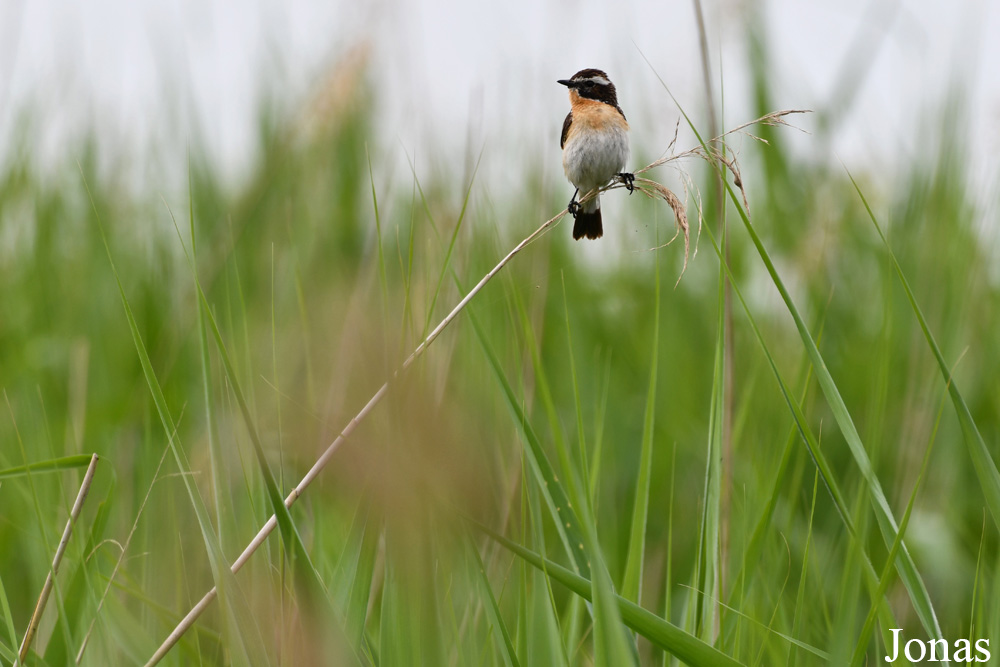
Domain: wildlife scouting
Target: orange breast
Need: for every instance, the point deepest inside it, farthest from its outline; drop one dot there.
(591, 115)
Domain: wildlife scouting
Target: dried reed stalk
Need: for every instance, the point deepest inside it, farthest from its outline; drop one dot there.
(74, 513)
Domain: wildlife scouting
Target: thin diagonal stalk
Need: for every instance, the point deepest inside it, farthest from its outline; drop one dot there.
(81, 496)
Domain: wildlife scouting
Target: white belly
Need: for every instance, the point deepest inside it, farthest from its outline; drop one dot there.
(593, 158)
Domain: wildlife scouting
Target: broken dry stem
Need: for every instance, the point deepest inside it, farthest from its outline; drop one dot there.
(36, 617)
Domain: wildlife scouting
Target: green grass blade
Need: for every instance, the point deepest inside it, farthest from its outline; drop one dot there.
(800, 596)
(382, 276)
(632, 580)
(544, 626)
(501, 634)
(545, 394)
(529, 507)
(668, 569)
(51, 465)
(599, 417)
(610, 642)
(860, 647)
(214, 449)
(446, 263)
(357, 606)
(667, 636)
(9, 654)
(391, 620)
(982, 462)
(342, 580)
(819, 653)
(581, 434)
(709, 566)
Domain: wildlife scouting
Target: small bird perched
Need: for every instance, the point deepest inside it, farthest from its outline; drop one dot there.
(595, 145)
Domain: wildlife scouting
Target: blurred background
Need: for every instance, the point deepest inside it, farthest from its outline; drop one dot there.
(335, 176)
(167, 74)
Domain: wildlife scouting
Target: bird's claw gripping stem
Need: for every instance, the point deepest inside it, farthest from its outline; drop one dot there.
(628, 180)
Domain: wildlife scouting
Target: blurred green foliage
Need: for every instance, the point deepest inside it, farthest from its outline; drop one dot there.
(316, 318)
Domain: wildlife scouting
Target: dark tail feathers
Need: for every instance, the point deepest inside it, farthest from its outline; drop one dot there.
(589, 225)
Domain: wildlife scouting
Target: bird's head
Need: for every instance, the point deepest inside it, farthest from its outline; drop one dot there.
(591, 84)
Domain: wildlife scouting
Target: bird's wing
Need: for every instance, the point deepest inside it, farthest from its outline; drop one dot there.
(565, 130)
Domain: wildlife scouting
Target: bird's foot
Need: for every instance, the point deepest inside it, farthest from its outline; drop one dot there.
(573, 207)
(628, 180)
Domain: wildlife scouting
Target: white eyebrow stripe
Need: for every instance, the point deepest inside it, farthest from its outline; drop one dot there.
(598, 79)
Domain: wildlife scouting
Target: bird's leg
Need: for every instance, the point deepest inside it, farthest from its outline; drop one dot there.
(629, 181)
(574, 206)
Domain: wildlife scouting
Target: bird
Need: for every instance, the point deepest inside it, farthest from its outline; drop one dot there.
(595, 146)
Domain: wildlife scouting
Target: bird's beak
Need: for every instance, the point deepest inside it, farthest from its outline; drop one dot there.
(567, 83)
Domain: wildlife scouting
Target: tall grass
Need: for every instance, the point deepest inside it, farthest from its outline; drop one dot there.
(543, 487)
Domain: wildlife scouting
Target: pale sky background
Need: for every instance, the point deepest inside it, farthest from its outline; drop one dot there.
(450, 75)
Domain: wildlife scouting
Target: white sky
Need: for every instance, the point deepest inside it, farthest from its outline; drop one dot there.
(451, 74)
